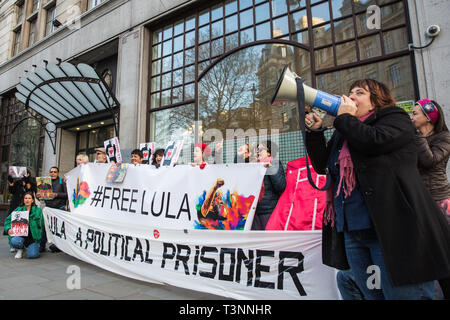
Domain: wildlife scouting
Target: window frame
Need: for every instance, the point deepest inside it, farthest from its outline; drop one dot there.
(305, 6)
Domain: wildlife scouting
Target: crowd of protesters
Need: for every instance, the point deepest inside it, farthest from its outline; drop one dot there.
(389, 198)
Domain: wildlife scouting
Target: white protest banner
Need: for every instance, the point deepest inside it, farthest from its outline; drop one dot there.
(236, 264)
(180, 197)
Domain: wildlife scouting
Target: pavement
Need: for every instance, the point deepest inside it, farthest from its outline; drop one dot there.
(46, 278)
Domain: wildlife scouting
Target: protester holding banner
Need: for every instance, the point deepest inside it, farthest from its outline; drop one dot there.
(157, 157)
(136, 157)
(18, 187)
(35, 226)
(377, 199)
(272, 187)
(433, 141)
(82, 158)
(100, 155)
(201, 153)
(58, 201)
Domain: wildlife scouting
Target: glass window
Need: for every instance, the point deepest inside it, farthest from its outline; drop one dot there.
(341, 8)
(346, 53)
(93, 3)
(344, 29)
(171, 124)
(299, 20)
(338, 33)
(246, 18)
(324, 58)
(32, 35)
(216, 12)
(231, 42)
(203, 33)
(320, 13)
(263, 31)
(203, 17)
(231, 24)
(239, 77)
(369, 47)
(395, 40)
(262, 12)
(178, 28)
(20, 13)
(230, 7)
(247, 35)
(279, 7)
(280, 27)
(17, 40)
(243, 4)
(392, 15)
(395, 73)
(35, 5)
(322, 35)
(49, 27)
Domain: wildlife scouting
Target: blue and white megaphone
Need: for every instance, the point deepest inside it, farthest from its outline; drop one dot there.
(286, 91)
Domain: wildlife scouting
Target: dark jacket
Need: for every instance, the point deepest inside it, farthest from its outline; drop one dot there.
(17, 190)
(274, 185)
(433, 152)
(59, 187)
(413, 233)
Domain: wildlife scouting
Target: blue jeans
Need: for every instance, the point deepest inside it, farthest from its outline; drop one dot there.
(363, 250)
(32, 249)
(347, 285)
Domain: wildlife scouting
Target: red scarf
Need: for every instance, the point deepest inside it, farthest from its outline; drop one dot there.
(347, 179)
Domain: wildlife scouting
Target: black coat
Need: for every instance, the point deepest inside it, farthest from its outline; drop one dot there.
(17, 190)
(274, 185)
(412, 231)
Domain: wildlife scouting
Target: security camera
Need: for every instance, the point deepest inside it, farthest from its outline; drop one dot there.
(433, 31)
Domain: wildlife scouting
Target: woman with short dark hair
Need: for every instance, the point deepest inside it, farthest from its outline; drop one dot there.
(377, 199)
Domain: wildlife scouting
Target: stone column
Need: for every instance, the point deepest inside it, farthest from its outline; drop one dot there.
(132, 70)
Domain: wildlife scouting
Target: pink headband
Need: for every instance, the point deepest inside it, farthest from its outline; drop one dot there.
(429, 109)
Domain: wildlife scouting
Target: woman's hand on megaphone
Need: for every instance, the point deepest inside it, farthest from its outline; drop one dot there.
(347, 106)
(315, 123)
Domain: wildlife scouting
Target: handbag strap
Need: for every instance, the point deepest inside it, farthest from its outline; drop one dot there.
(302, 114)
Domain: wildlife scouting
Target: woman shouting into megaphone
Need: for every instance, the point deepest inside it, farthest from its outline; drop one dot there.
(373, 199)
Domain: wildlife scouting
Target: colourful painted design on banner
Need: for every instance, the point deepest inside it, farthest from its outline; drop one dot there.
(219, 211)
(81, 193)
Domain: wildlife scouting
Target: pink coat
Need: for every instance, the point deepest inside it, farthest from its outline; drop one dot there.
(300, 206)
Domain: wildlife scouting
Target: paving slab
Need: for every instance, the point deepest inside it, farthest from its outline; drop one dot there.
(46, 278)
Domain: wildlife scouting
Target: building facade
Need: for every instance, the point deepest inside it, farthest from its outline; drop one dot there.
(190, 69)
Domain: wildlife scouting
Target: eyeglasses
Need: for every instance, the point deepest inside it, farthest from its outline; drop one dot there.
(261, 149)
(53, 171)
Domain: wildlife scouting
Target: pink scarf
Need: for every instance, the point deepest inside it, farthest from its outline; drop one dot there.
(347, 179)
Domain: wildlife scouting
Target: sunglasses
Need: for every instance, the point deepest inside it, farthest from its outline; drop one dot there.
(53, 171)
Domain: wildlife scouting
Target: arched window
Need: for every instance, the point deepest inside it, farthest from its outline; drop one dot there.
(217, 66)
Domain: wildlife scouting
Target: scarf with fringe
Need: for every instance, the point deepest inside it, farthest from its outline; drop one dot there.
(347, 180)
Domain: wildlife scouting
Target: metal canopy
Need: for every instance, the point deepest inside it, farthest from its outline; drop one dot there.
(64, 92)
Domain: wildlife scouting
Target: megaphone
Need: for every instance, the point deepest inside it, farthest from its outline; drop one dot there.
(286, 91)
